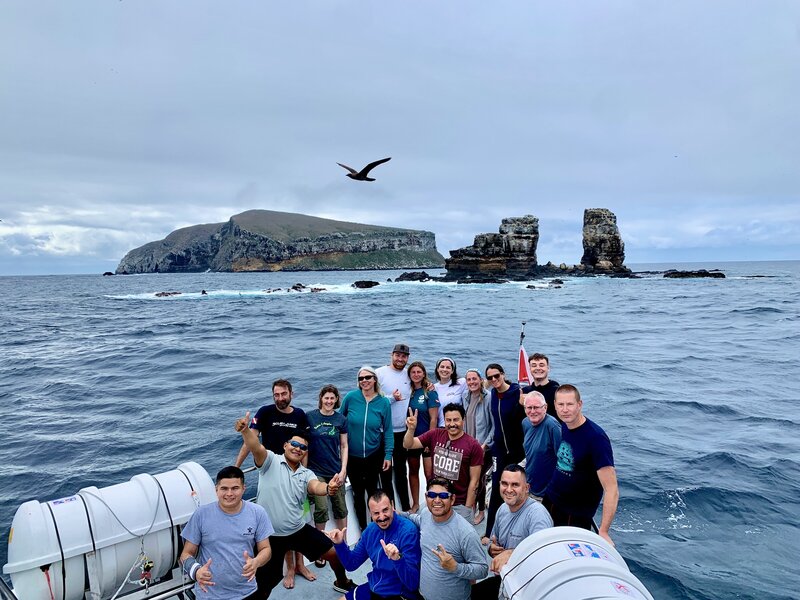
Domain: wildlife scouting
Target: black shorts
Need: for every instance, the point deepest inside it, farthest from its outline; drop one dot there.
(311, 542)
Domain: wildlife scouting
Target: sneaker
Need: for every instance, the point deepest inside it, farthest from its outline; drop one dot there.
(345, 587)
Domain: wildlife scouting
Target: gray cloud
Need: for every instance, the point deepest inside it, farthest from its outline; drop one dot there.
(124, 120)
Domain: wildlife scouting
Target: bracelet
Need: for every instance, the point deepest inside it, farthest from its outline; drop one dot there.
(327, 489)
(193, 572)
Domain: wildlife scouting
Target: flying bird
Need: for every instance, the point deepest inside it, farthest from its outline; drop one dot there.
(362, 174)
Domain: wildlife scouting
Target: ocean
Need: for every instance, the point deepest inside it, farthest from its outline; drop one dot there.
(697, 383)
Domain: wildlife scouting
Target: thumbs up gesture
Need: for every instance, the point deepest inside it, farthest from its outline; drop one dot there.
(250, 566)
(241, 424)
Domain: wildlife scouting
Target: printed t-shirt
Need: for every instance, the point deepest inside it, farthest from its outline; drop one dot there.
(391, 379)
(449, 393)
(324, 453)
(453, 458)
(277, 428)
(575, 487)
(421, 404)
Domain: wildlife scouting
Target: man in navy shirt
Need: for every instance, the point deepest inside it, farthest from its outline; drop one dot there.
(584, 471)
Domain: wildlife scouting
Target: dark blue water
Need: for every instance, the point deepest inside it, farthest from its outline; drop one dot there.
(696, 382)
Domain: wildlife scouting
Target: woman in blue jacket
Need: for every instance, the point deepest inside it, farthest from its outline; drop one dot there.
(370, 439)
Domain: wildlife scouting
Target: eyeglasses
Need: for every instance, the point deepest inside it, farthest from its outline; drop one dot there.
(433, 495)
(296, 444)
(493, 377)
(365, 377)
(538, 407)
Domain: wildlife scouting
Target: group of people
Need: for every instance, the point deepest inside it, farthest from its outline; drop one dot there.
(549, 464)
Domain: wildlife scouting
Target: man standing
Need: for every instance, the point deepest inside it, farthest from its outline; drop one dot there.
(283, 483)
(540, 370)
(391, 542)
(542, 439)
(276, 424)
(452, 554)
(518, 517)
(584, 471)
(396, 385)
(225, 533)
(457, 457)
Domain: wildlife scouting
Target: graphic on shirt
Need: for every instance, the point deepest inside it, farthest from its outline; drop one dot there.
(447, 462)
(566, 460)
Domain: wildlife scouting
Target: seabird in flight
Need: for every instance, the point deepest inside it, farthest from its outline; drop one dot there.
(362, 174)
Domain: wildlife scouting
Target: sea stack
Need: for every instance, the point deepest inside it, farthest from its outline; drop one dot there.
(509, 253)
(603, 248)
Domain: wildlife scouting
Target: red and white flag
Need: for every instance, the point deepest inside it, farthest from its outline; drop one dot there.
(524, 369)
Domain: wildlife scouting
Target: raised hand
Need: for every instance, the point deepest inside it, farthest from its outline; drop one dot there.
(241, 424)
(250, 567)
(334, 484)
(411, 420)
(391, 551)
(203, 576)
(445, 558)
(337, 536)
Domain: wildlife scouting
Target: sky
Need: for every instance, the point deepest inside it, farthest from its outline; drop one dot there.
(122, 120)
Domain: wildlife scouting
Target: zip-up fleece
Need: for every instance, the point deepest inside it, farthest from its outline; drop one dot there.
(388, 577)
(507, 415)
(369, 424)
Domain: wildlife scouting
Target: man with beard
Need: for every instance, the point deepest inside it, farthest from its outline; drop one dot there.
(518, 517)
(396, 385)
(391, 542)
(457, 456)
(283, 484)
(452, 554)
(276, 424)
(540, 370)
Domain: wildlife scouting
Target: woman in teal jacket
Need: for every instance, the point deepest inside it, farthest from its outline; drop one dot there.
(370, 439)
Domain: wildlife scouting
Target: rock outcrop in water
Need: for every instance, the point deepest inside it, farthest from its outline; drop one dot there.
(603, 248)
(509, 253)
(265, 240)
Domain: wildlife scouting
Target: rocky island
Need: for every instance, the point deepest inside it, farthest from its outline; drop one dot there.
(266, 240)
(511, 253)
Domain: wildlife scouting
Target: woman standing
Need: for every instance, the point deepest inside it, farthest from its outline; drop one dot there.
(370, 438)
(448, 385)
(507, 416)
(327, 455)
(479, 425)
(426, 403)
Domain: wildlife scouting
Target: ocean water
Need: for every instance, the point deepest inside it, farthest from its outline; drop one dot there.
(697, 383)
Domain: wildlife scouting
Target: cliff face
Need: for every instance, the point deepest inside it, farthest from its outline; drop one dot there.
(262, 240)
(510, 253)
(603, 247)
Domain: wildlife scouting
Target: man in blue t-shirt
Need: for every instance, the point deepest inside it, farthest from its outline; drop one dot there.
(219, 539)
(542, 439)
(584, 471)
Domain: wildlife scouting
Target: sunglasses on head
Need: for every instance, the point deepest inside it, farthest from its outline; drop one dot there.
(296, 444)
(433, 495)
(365, 377)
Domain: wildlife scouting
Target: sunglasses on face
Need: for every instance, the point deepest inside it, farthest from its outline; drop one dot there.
(296, 444)
(365, 377)
(493, 377)
(434, 495)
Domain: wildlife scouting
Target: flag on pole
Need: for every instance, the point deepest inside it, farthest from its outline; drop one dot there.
(524, 369)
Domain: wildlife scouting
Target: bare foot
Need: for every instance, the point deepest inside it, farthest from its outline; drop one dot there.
(288, 579)
(305, 573)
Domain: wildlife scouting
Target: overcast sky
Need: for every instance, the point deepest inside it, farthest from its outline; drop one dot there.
(121, 121)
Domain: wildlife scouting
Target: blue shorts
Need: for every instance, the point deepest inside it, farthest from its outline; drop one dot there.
(363, 592)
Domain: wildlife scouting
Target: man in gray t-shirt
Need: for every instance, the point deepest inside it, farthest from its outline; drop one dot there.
(518, 517)
(219, 539)
(452, 554)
